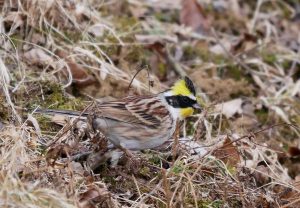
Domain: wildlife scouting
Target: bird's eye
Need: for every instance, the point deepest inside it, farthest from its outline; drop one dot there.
(186, 99)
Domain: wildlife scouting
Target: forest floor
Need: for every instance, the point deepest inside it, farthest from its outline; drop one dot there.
(242, 150)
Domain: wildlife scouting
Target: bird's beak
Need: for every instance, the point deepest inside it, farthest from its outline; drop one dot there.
(196, 106)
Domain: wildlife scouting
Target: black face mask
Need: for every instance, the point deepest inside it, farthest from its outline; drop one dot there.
(180, 101)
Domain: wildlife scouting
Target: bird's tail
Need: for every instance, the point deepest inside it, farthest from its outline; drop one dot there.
(69, 113)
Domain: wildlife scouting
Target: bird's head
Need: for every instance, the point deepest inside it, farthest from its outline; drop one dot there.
(182, 97)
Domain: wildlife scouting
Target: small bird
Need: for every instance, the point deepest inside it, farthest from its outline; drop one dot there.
(141, 122)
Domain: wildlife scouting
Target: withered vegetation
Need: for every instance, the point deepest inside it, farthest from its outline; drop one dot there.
(242, 150)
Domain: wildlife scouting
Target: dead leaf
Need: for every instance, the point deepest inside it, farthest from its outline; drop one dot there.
(4, 72)
(151, 39)
(294, 151)
(77, 168)
(93, 195)
(158, 48)
(14, 19)
(261, 175)
(35, 124)
(80, 76)
(1, 125)
(138, 10)
(38, 39)
(230, 108)
(245, 43)
(56, 152)
(38, 56)
(97, 30)
(192, 147)
(297, 182)
(192, 15)
(221, 49)
(228, 153)
(289, 194)
(59, 119)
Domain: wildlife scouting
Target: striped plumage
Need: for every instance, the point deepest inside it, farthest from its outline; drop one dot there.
(141, 122)
(127, 124)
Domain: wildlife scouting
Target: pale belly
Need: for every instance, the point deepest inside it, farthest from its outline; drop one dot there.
(143, 142)
(138, 145)
(126, 136)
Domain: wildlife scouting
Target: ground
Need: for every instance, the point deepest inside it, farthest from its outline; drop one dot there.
(241, 150)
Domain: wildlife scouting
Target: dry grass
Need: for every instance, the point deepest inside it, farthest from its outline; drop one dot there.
(60, 54)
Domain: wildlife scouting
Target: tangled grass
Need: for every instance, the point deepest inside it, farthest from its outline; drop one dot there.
(241, 151)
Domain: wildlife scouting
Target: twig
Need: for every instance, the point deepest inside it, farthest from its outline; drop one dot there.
(289, 204)
(139, 70)
(176, 142)
(251, 135)
(70, 126)
(166, 187)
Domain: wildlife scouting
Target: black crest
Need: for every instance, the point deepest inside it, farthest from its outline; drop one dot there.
(190, 85)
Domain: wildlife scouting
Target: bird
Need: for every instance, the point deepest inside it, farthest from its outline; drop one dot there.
(140, 122)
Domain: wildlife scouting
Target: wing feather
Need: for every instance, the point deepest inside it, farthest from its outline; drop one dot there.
(133, 109)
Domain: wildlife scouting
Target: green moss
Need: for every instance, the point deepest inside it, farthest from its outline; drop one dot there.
(109, 180)
(286, 12)
(262, 115)
(160, 204)
(204, 203)
(16, 39)
(190, 129)
(49, 94)
(285, 146)
(234, 72)
(72, 104)
(55, 95)
(217, 204)
(220, 59)
(178, 167)
(144, 189)
(269, 58)
(162, 69)
(4, 109)
(46, 124)
(73, 35)
(296, 119)
(171, 16)
(231, 169)
(136, 54)
(113, 47)
(155, 160)
(286, 64)
(125, 23)
(191, 52)
(145, 171)
(201, 51)
(213, 204)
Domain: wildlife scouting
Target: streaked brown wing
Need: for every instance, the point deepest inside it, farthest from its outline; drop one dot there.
(138, 110)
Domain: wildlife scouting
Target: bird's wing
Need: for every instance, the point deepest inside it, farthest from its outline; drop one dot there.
(139, 110)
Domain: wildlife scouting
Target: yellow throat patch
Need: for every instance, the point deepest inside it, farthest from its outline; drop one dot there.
(185, 112)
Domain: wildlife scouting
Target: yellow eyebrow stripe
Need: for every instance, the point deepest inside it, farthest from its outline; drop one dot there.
(180, 88)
